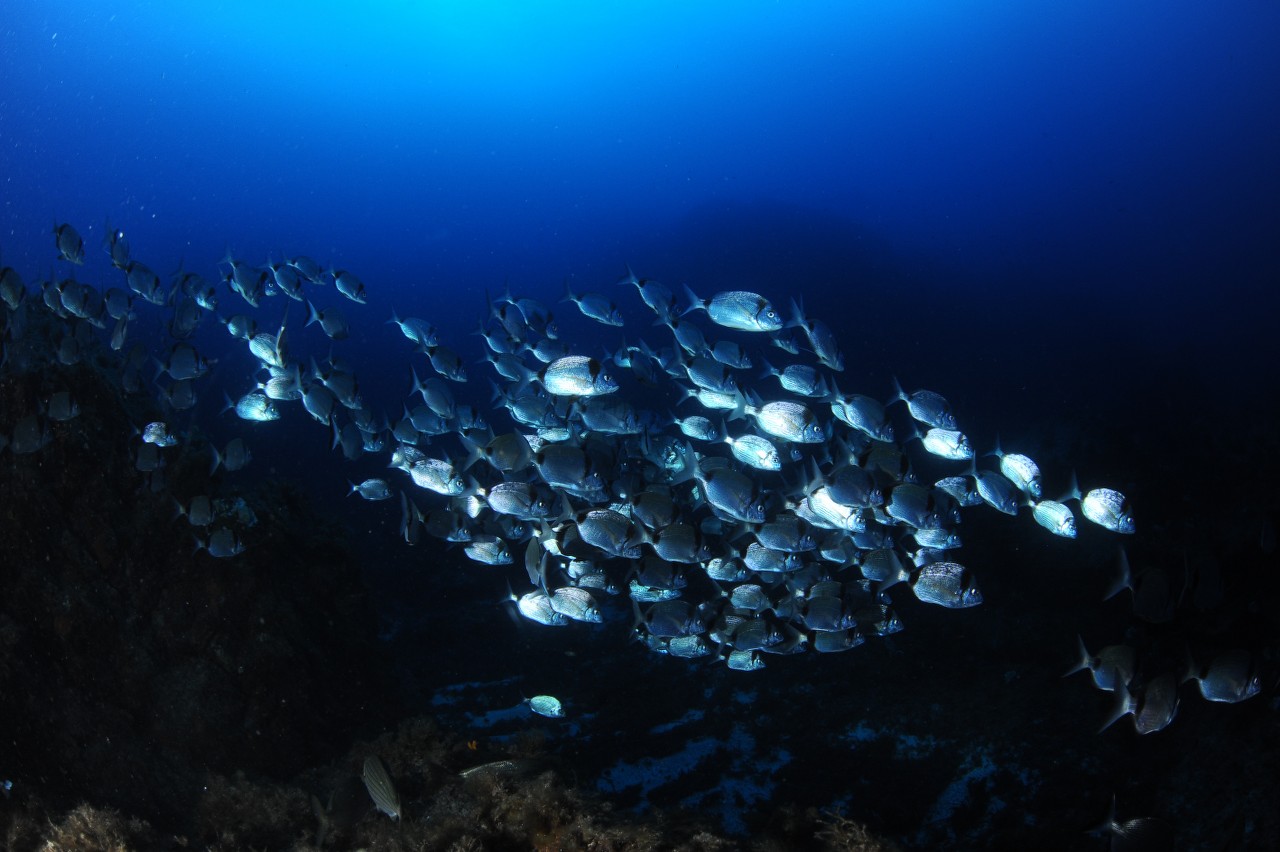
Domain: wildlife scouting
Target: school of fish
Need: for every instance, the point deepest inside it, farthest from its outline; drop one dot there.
(721, 485)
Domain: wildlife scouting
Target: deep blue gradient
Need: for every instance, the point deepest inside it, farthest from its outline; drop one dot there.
(1065, 216)
(1022, 175)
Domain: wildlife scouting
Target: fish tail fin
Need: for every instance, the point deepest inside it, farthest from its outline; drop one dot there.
(797, 316)
(474, 451)
(695, 303)
(630, 277)
(569, 295)
(1073, 491)
(898, 394)
(416, 387)
(1121, 708)
(1109, 824)
(1192, 671)
(312, 314)
(1084, 660)
(1124, 576)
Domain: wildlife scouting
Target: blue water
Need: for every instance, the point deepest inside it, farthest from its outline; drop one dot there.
(1062, 215)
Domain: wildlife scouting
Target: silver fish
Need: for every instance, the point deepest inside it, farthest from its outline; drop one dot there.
(546, 705)
(997, 491)
(744, 661)
(800, 379)
(1108, 509)
(733, 494)
(963, 489)
(755, 451)
(819, 336)
(234, 457)
(308, 268)
(1152, 705)
(864, 414)
(1055, 517)
(948, 444)
(371, 489)
(221, 544)
(790, 421)
(610, 532)
(158, 433)
(536, 606)
(116, 246)
(378, 782)
(594, 306)
(737, 309)
(331, 320)
(446, 362)
(577, 375)
(12, 288)
(576, 604)
(489, 549)
(669, 619)
(947, 584)
(680, 542)
(184, 362)
(436, 475)
(658, 297)
(199, 513)
(144, 282)
(929, 408)
(418, 331)
(520, 500)
(1112, 667)
(1231, 677)
(349, 285)
(255, 407)
(1021, 470)
(70, 246)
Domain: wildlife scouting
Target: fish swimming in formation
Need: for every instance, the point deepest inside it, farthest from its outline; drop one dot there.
(753, 525)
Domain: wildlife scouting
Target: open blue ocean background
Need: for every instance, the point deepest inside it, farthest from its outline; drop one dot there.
(1063, 216)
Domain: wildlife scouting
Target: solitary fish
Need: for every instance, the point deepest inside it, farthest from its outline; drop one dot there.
(546, 705)
(378, 782)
